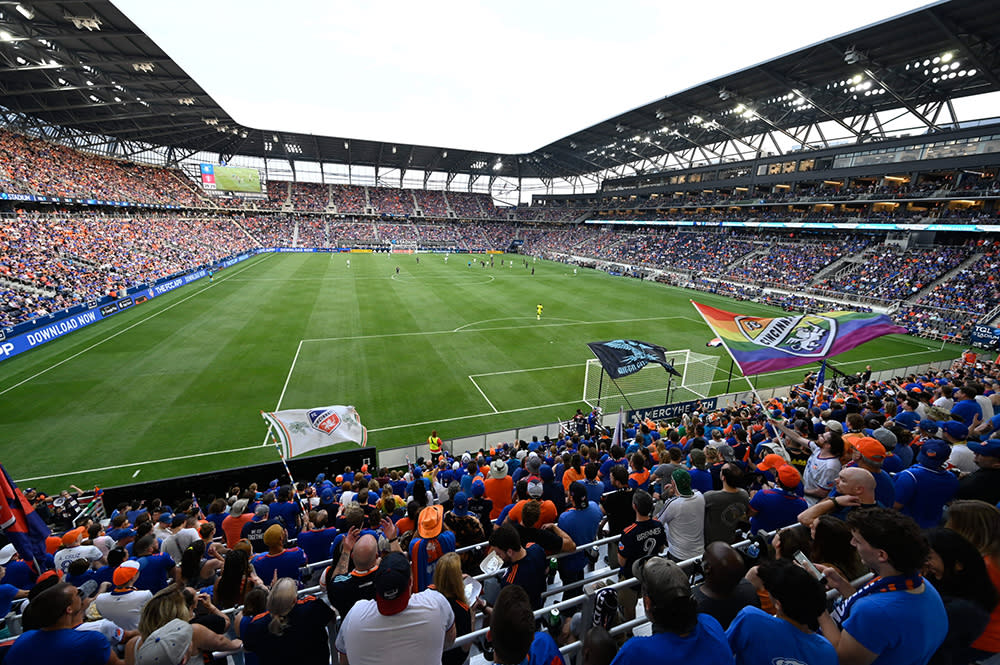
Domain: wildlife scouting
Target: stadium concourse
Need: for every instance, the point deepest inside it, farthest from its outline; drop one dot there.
(897, 478)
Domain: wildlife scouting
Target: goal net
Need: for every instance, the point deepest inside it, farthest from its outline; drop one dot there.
(648, 386)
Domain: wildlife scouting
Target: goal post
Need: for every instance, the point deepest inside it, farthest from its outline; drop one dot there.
(648, 386)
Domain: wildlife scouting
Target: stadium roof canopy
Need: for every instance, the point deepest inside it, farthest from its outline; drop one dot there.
(86, 67)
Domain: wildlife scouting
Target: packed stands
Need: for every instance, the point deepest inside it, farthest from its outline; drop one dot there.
(33, 166)
(431, 203)
(310, 196)
(388, 201)
(278, 192)
(312, 232)
(347, 234)
(466, 204)
(348, 199)
(888, 272)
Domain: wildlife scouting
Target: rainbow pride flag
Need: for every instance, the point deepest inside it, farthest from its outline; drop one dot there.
(767, 344)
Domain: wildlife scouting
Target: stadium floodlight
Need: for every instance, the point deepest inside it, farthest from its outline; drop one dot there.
(90, 23)
(145, 67)
(25, 10)
(347, 146)
(946, 57)
(186, 101)
(726, 95)
(852, 56)
(6, 36)
(444, 155)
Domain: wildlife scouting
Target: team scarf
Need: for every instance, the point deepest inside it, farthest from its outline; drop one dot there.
(842, 609)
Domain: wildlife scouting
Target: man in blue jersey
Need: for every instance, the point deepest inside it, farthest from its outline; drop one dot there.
(892, 546)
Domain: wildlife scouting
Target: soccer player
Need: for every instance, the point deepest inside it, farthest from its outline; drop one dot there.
(538, 311)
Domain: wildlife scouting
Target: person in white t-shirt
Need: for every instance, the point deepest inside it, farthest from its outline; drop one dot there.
(73, 549)
(123, 604)
(420, 625)
(684, 517)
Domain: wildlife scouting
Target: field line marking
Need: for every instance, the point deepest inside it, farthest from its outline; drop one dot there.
(511, 318)
(123, 466)
(483, 394)
(289, 377)
(124, 330)
(474, 415)
(449, 332)
(531, 369)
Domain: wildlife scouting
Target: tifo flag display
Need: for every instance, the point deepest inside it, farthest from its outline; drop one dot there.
(302, 430)
(24, 527)
(768, 344)
(621, 357)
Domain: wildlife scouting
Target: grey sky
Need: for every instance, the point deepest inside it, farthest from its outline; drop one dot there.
(505, 76)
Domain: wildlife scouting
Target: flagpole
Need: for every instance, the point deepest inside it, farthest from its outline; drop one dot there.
(722, 339)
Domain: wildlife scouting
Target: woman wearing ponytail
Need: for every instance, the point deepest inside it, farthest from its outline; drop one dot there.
(293, 630)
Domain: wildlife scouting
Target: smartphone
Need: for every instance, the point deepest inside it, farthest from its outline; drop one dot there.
(804, 561)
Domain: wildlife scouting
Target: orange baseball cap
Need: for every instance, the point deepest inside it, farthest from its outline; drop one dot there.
(772, 461)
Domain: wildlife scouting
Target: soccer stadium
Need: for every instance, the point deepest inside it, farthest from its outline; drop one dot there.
(723, 365)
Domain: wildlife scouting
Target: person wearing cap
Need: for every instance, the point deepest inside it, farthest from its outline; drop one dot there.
(683, 515)
(418, 626)
(292, 630)
(580, 523)
(868, 453)
(855, 488)
(923, 489)
(728, 509)
(499, 487)
(168, 645)
(124, 603)
(73, 549)
(984, 483)
(278, 562)
(16, 572)
(645, 536)
(535, 490)
(468, 530)
(860, 628)
(799, 600)
(962, 460)
(232, 525)
(680, 634)
(775, 507)
(431, 542)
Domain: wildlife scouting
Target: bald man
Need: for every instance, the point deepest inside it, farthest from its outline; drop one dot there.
(725, 591)
(345, 588)
(855, 489)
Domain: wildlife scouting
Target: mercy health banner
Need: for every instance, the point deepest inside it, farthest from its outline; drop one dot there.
(986, 337)
(12, 345)
(671, 411)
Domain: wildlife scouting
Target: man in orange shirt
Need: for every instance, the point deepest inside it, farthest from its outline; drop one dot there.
(499, 487)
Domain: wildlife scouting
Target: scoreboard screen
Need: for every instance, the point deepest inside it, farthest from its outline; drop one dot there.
(230, 179)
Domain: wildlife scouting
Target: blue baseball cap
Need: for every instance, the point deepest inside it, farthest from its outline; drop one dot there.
(989, 448)
(928, 425)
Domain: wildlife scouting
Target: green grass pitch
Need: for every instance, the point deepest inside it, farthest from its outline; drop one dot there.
(188, 373)
(237, 179)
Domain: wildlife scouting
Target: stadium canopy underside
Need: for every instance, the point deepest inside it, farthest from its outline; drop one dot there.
(83, 73)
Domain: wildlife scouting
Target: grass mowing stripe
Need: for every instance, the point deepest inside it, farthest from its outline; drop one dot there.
(123, 330)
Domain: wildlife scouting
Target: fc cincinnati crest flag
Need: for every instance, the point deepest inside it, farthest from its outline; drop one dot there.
(24, 527)
(302, 430)
(621, 357)
(762, 344)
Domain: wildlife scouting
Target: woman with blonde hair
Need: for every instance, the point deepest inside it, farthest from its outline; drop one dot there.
(293, 630)
(450, 583)
(162, 608)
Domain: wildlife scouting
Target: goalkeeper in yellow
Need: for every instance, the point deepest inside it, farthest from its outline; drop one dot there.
(538, 312)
